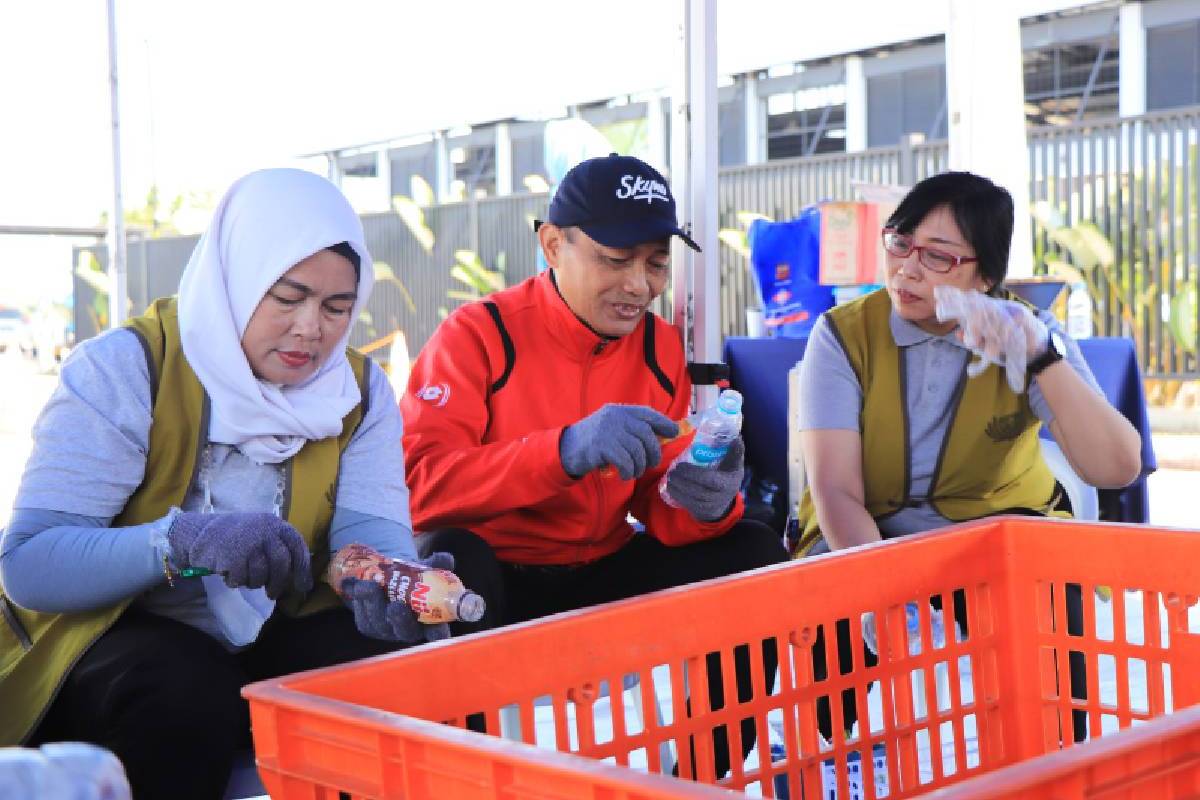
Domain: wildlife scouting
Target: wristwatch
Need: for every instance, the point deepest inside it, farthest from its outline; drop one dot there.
(1056, 348)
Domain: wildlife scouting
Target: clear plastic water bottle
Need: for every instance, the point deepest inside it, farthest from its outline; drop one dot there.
(1079, 312)
(716, 428)
(912, 618)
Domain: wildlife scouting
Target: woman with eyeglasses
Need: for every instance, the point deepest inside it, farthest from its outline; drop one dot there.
(896, 437)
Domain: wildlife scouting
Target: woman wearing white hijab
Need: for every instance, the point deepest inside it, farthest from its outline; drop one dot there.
(191, 471)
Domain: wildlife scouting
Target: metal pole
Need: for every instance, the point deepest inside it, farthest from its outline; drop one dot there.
(987, 129)
(118, 284)
(696, 278)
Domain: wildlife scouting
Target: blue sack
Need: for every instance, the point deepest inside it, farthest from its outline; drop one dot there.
(786, 258)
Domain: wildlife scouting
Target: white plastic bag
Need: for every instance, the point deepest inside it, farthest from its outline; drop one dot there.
(240, 612)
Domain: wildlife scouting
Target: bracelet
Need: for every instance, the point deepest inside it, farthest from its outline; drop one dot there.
(167, 571)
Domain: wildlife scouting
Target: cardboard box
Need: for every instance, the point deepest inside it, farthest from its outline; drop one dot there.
(851, 248)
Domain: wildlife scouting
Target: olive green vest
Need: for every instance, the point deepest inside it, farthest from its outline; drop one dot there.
(37, 650)
(990, 461)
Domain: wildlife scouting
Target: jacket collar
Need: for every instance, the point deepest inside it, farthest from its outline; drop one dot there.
(571, 333)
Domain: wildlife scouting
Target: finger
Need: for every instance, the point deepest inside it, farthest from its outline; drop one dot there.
(636, 448)
(661, 424)
(366, 593)
(617, 456)
(301, 569)
(367, 601)
(403, 623)
(437, 632)
(278, 567)
(257, 569)
(441, 561)
(735, 458)
(651, 450)
(697, 478)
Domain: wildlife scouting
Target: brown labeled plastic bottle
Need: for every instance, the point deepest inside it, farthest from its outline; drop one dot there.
(434, 595)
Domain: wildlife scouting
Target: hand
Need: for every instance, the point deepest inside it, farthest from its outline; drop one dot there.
(1001, 332)
(708, 493)
(250, 550)
(62, 769)
(624, 436)
(393, 621)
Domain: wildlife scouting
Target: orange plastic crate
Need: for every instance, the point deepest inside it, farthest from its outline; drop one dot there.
(980, 720)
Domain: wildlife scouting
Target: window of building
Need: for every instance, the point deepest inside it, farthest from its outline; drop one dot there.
(409, 162)
(528, 161)
(731, 131)
(474, 169)
(806, 122)
(1173, 65)
(1057, 82)
(359, 165)
(900, 103)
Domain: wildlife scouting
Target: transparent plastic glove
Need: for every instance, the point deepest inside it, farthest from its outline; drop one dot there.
(1000, 332)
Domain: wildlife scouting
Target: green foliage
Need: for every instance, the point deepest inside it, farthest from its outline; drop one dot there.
(156, 218)
(413, 217)
(476, 276)
(1142, 297)
(738, 240)
(88, 270)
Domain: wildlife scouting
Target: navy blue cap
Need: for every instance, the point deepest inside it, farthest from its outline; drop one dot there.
(619, 201)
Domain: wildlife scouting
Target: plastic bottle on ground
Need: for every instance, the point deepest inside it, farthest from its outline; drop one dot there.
(716, 428)
(434, 595)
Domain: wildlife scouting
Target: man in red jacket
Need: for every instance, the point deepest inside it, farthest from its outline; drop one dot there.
(532, 427)
(532, 421)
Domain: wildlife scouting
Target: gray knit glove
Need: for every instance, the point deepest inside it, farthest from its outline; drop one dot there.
(250, 550)
(624, 436)
(392, 621)
(708, 493)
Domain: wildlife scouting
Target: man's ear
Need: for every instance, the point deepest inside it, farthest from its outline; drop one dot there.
(552, 240)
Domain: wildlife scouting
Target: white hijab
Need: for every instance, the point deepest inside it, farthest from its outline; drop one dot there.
(265, 224)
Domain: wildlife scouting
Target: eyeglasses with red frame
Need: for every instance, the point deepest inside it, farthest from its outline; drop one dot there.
(901, 245)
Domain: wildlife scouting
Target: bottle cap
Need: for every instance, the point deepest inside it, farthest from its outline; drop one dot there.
(471, 607)
(730, 401)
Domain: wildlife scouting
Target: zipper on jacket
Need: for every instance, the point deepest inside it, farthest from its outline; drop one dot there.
(594, 477)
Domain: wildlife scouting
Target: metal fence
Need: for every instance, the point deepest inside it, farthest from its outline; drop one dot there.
(1137, 179)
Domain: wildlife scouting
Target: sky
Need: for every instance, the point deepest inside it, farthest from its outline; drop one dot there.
(211, 90)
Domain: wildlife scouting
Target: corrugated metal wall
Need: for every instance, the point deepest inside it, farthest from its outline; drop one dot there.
(1138, 180)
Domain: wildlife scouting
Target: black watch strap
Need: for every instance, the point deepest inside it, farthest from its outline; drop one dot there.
(1048, 357)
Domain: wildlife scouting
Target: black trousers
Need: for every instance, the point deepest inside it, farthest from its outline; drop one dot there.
(515, 593)
(165, 697)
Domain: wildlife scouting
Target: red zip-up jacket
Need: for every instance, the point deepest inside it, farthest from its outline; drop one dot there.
(487, 402)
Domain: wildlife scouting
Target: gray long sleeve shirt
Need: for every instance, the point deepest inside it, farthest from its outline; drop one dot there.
(59, 552)
(831, 398)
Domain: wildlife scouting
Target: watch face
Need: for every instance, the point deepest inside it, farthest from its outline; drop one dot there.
(1058, 343)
